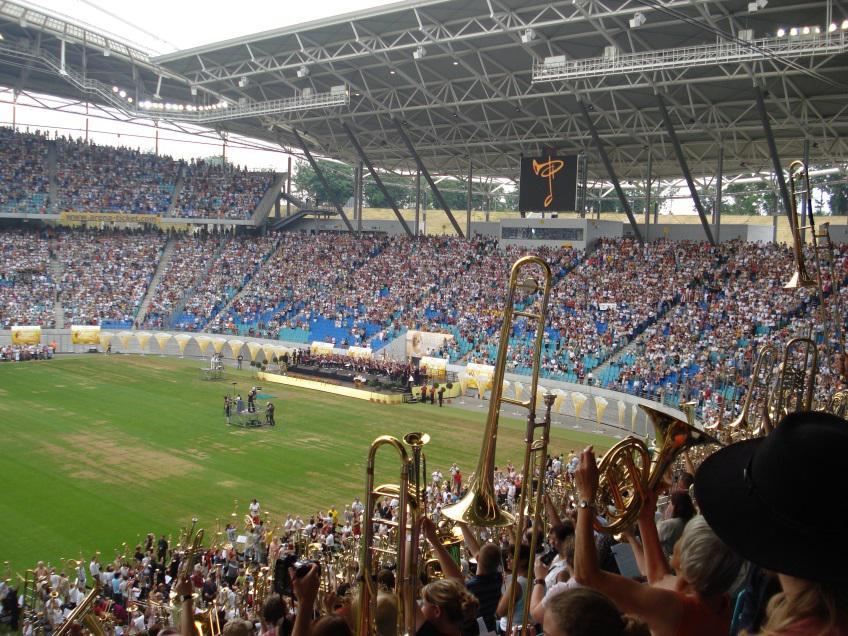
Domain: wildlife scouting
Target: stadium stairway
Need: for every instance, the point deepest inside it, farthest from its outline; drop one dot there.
(164, 259)
(57, 269)
(175, 198)
(226, 308)
(177, 313)
(52, 188)
(266, 204)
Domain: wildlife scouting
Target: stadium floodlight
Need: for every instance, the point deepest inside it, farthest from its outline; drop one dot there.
(528, 36)
(1, 36)
(845, 25)
(781, 32)
(193, 90)
(793, 31)
(419, 53)
(302, 72)
(637, 20)
(115, 89)
(122, 93)
(756, 5)
(242, 81)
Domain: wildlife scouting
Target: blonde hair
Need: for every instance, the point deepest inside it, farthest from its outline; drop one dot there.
(457, 603)
(822, 602)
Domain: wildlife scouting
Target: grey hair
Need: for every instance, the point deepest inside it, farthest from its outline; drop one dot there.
(705, 561)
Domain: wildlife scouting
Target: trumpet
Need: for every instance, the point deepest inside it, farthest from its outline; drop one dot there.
(629, 472)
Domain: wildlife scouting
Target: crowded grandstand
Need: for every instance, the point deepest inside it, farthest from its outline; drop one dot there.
(475, 205)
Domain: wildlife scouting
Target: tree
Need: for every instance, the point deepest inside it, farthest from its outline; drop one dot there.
(403, 195)
(745, 198)
(339, 177)
(837, 190)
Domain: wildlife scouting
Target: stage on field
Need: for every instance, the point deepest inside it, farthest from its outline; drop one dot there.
(337, 389)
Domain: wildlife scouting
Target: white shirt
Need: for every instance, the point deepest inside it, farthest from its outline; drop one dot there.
(254, 508)
(557, 566)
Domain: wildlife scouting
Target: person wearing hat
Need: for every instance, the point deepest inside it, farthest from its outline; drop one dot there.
(774, 501)
(698, 604)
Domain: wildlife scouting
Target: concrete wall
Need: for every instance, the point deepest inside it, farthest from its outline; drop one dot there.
(596, 230)
(679, 232)
(760, 233)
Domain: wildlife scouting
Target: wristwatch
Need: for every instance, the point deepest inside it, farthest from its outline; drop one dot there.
(585, 503)
(538, 581)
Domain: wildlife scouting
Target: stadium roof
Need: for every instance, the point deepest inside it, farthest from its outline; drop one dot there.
(484, 81)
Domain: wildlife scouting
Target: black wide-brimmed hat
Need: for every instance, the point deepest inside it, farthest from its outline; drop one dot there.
(779, 501)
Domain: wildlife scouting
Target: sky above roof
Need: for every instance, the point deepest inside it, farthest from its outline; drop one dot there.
(163, 26)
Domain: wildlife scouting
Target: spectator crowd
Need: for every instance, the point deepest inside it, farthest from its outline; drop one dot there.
(87, 177)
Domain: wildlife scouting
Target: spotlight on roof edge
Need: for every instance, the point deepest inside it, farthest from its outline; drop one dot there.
(756, 5)
(528, 36)
(637, 20)
(303, 71)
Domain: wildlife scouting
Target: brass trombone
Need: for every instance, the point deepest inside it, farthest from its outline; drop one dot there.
(629, 472)
(479, 507)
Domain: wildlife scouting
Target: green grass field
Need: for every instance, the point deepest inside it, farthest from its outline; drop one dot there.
(100, 450)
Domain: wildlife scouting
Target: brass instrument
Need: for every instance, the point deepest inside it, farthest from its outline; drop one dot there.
(629, 472)
(756, 424)
(403, 584)
(191, 543)
(479, 507)
(797, 380)
(84, 613)
(838, 404)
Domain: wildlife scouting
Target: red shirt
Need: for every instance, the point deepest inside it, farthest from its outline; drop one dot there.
(698, 619)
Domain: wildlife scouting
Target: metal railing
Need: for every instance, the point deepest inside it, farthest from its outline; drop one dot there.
(685, 57)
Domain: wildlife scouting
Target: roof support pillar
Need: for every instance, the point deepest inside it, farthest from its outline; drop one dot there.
(772, 146)
(468, 202)
(377, 179)
(684, 168)
(648, 184)
(323, 179)
(610, 171)
(417, 202)
(438, 195)
(719, 186)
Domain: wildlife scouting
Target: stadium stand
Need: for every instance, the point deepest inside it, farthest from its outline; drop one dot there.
(106, 274)
(220, 192)
(92, 178)
(24, 178)
(27, 287)
(95, 178)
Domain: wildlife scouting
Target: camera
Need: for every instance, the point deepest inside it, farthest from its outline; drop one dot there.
(301, 567)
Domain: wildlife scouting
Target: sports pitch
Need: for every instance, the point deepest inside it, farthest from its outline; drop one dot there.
(98, 450)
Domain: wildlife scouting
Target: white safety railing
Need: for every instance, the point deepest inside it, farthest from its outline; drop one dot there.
(786, 47)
